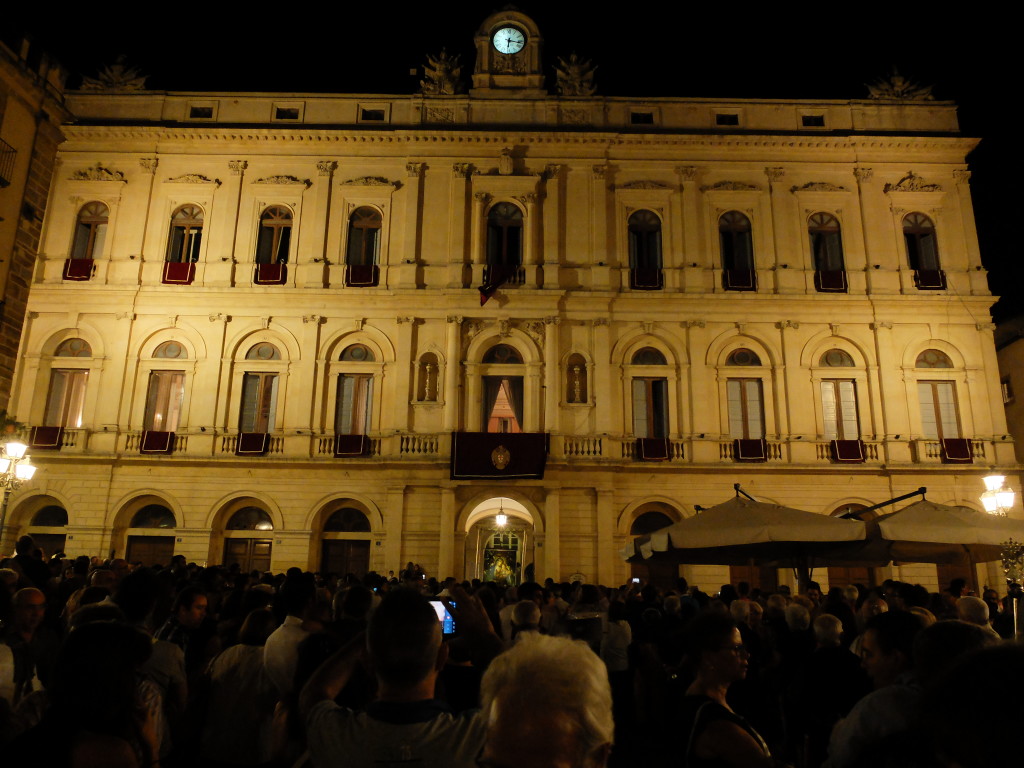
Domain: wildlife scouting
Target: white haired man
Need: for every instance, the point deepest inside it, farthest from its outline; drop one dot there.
(974, 610)
(547, 704)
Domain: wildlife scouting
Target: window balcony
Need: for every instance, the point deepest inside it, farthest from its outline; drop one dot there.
(8, 154)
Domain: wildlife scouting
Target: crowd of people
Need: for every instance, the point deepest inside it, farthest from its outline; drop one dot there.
(107, 663)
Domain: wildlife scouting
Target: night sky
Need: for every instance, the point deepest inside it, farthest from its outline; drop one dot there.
(656, 49)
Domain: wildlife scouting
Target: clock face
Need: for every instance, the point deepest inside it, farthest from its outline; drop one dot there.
(509, 40)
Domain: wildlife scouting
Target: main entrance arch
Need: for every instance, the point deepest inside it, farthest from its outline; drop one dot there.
(500, 542)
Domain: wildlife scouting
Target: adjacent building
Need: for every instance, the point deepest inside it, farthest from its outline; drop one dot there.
(346, 332)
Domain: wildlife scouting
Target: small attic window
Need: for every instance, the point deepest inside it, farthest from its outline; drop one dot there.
(641, 118)
(286, 113)
(200, 113)
(813, 121)
(722, 118)
(372, 115)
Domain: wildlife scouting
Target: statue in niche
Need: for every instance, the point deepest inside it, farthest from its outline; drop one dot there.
(505, 162)
(443, 75)
(899, 87)
(116, 77)
(575, 76)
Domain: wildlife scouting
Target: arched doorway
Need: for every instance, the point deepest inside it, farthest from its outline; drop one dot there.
(500, 542)
(151, 536)
(247, 541)
(345, 543)
(662, 574)
(48, 529)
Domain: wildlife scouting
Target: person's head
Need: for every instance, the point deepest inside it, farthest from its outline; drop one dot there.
(973, 610)
(740, 610)
(526, 615)
(940, 645)
(137, 594)
(813, 592)
(827, 630)
(103, 577)
(404, 639)
(775, 605)
(851, 594)
(798, 618)
(29, 610)
(24, 545)
(257, 627)
(714, 647)
(297, 594)
(756, 613)
(353, 603)
(887, 648)
(190, 606)
(547, 704)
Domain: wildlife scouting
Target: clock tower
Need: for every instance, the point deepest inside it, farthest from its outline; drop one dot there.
(508, 60)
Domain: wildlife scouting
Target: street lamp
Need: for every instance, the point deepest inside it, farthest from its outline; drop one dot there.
(997, 497)
(15, 468)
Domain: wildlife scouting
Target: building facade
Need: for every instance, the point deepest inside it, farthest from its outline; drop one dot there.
(346, 331)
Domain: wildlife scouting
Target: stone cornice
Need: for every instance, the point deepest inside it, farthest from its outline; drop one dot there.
(412, 136)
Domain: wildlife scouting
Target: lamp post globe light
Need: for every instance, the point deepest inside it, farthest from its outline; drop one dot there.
(997, 498)
(15, 468)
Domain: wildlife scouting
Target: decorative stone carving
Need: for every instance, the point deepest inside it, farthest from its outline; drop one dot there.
(775, 173)
(193, 178)
(730, 186)
(879, 324)
(528, 199)
(124, 316)
(504, 327)
(509, 65)
(644, 185)
(695, 323)
(457, 319)
(219, 317)
(414, 170)
(481, 197)
(461, 170)
(148, 164)
(265, 321)
(985, 326)
(506, 163)
(898, 87)
(552, 320)
(325, 167)
(97, 173)
(911, 183)
(472, 327)
(442, 75)
(440, 115)
(574, 76)
(237, 167)
(370, 181)
(962, 176)
(599, 171)
(575, 116)
(284, 180)
(551, 171)
(315, 319)
(864, 174)
(599, 321)
(781, 324)
(404, 319)
(647, 325)
(834, 328)
(818, 186)
(687, 172)
(116, 77)
(535, 329)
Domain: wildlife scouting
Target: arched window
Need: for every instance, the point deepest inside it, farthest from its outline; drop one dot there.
(743, 356)
(347, 520)
(65, 401)
(426, 385)
(50, 516)
(505, 236)
(185, 235)
(649, 394)
(274, 236)
(503, 393)
(153, 516)
(827, 253)
(259, 393)
(354, 399)
(90, 231)
(576, 379)
(933, 358)
(170, 350)
(836, 358)
(644, 231)
(362, 255)
(734, 234)
(923, 252)
(250, 519)
(649, 522)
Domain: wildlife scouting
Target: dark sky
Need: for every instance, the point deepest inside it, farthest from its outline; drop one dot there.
(805, 51)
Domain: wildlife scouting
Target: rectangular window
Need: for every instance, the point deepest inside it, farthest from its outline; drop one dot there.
(641, 118)
(839, 409)
(650, 407)
(371, 115)
(939, 420)
(354, 404)
(200, 113)
(66, 400)
(503, 403)
(746, 409)
(163, 402)
(813, 121)
(259, 402)
(727, 119)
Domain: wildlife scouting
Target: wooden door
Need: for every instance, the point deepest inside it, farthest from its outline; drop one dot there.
(150, 550)
(343, 556)
(250, 554)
